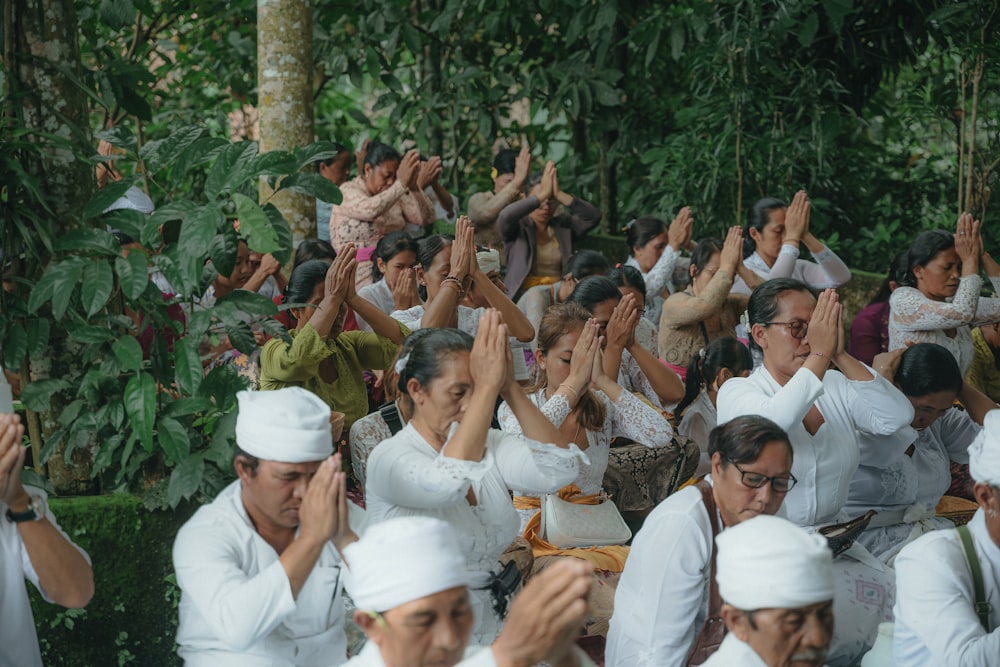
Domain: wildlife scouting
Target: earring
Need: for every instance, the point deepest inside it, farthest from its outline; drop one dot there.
(991, 514)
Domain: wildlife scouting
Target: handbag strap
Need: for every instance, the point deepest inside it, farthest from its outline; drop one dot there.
(981, 605)
(704, 332)
(390, 414)
(714, 599)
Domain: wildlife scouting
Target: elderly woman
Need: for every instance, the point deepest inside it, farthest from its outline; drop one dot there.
(904, 475)
(447, 462)
(771, 246)
(705, 310)
(941, 620)
(322, 357)
(655, 250)
(386, 195)
(539, 242)
(937, 300)
(823, 410)
(663, 594)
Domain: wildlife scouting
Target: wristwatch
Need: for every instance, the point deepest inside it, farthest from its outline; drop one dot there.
(35, 511)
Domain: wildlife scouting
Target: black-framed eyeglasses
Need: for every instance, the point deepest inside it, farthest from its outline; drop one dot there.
(755, 480)
(797, 328)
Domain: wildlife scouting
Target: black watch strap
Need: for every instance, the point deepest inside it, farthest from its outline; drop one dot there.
(29, 514)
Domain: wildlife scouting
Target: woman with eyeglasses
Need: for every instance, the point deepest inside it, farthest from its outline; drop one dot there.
(539, 242)
(663, 594)
(824, 410)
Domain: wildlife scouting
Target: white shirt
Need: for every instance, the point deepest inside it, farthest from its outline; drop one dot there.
(827, 271)
(380, 296)
(825, 462)
(698, 421)
(408, 477)
(658, 279)
(237, 608)
(475, 656)
(468, 318)
(734, 653)
(18, 640)
(662, 595)
(936, 624)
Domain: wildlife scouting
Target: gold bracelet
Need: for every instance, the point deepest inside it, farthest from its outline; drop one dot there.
(457, 283)
(570, 389)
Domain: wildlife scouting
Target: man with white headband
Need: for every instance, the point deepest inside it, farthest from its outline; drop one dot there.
(258, 568)
(409, 583)
(776, 583)
(940, 619)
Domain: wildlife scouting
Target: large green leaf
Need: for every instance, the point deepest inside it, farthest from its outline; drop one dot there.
(162, 153)
(38, 336)
(187, 405)
(241, 336)
(185, 479)
(251, 303)
(272, 163)
(255, 225)
(67, 275)
(228, 168)
(308, 155)
(95, 241)
(284, 232)
(129, 353)
(98, 282)
(174, 440)
(224, 249)
(88, 333)
(313, 185)
(133, 274)
(106, 196)
(198, 230)
(201, 151)
(15, 346)
(36, 395)
(187, 364)
(140, 406)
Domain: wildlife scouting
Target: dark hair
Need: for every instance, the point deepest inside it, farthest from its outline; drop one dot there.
(927, 368)
(313, 249)
(303, 281)
(757, 218)
(505, 161)
(924, 248)
(641, 231)
(586, 263)
(249, 461)
(341, 149)
(424, 351)
(742, 439)
(388, 247)
(628, 276)
(427, 249)
(558, 321)
(703, 252)
(885, 289)
(764, 301)
(595, 290)
(721, 353)
(377, 153)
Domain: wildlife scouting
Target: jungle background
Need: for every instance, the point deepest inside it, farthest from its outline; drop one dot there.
(886, 111)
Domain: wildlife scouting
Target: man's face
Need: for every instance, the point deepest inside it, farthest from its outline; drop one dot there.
(430, 632)
(274, 493)
(789, 637)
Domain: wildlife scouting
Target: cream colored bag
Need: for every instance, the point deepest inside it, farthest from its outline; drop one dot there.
(569, 525)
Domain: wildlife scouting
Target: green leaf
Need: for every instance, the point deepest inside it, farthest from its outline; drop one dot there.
(117, 14)
(98, 282)
(163, 153)
(198, 230)
(30, 477)
(251, 303)
(88, 240)
(606, 94)
(312, 185)
(275, 329)
(228, 167)
(676, 40)
(133, 274)
(127, 221)
(255, 225)
(199, 152)
(187, 365)
(225, 428)
(106, 196)
(36, 396)
(185, 479)
(42, 291)
(808, 29)
(272, 163)
(118, 136)
(224, 249)
(140, 406)
(38, 336)
(174, 440)
(284, 232)
(105, 456)
(241, 336)
(129, 353)
(412, 39)
(67, 277)
(87, 333)
(15, 346)
(187, 405)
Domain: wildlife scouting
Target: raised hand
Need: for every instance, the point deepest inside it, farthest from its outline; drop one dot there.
(546, 188)
(340, 277)
(824, 336)
(522, 165)
(463, 250)
(887, 363)
(581, 364)
(430, 171)
(321, 517)
(679, 232)
(408, 171)
(797, 218)
(732, 250)
(490, 347)
(11, 458)
(404, 292)
(620, 330)
(968, 241)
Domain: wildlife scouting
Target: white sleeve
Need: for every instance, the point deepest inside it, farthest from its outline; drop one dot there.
(957, 433)
(410, 318)
(787, 407)
(829, 270)
(785, 264)
(659, 277)
(876, 406)
(634, 419)
(534, 467)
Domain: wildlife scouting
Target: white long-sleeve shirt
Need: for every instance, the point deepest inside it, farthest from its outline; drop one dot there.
(825, 462)
(936, 623)
(658, 279)
(734, 653)
(827, 271)
(237, 608)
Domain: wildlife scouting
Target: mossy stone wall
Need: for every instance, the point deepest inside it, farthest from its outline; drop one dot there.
(132, 618)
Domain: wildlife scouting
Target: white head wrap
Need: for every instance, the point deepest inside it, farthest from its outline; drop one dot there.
(770, 563)
(402, 560)
(290, 425)
(984, 452)
(134, 199)
(488, 260)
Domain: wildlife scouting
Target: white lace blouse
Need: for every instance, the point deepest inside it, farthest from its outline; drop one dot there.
(408, 477)
(827, 271)
(914, 317)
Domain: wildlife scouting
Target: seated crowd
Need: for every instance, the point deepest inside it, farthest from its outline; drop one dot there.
(446, 464)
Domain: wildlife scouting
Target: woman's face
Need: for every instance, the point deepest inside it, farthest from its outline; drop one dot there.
(938, 278)
(401, 261)
(602, 313)
(698, 282)
(640, 300)
(303, 315)
(380, 177)
(738, 502)
(242, 270)
(545, 209)
(769, 238)
(557, 360)
(444, 399)
(784, 354)
(432, 276)
(649, 254)
(928, 409)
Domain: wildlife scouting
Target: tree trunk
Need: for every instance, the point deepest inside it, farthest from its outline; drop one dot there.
(42, 66)
(285, 97)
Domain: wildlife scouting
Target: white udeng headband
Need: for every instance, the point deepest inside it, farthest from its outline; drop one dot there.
(290, 425)
(401, 363)
(984, 452)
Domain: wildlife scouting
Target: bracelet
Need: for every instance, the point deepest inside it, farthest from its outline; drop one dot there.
(569, 389)
(457, 283)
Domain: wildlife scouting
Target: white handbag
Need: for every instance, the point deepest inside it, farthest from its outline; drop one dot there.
(568, 525)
